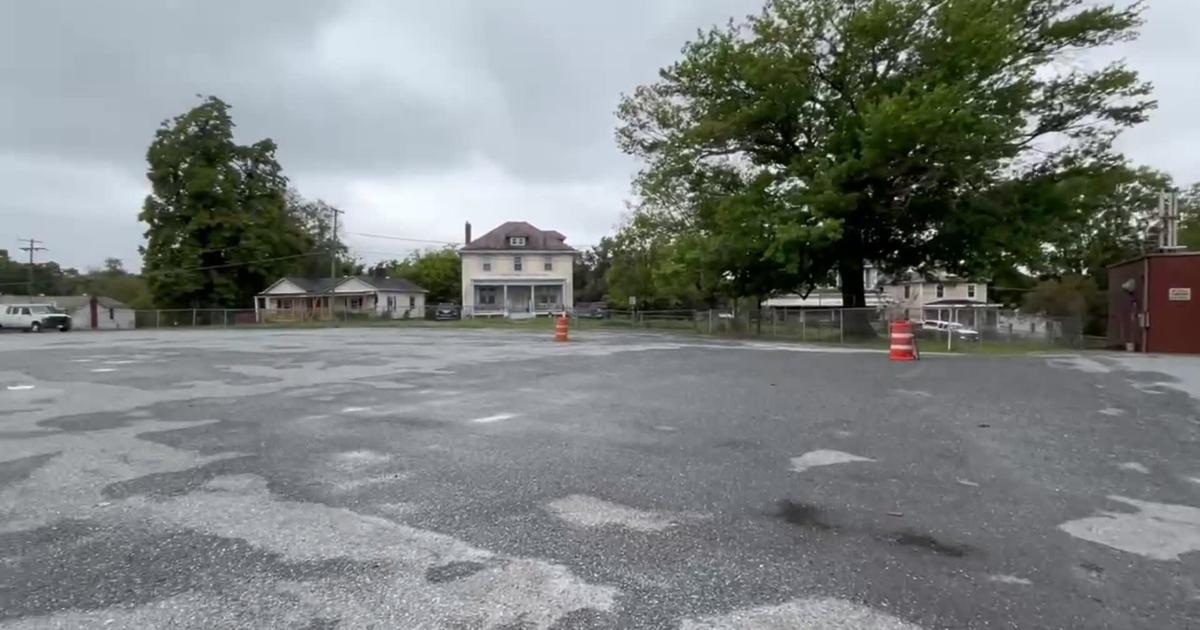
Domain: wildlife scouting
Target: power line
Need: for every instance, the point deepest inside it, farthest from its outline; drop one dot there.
(403, 238)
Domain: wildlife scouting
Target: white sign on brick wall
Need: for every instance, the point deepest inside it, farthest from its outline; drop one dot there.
(1179, 294)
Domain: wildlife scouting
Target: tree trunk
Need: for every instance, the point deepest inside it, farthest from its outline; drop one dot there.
(856, 319)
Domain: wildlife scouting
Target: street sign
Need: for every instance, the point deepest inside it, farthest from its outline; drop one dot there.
(633, 300)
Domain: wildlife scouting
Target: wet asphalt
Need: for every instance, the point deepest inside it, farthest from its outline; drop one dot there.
(446, 478)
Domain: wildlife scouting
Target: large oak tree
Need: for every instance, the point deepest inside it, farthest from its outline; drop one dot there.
(218, 230)
(819, 135)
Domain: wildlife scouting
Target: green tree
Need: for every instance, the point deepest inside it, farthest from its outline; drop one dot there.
(114, 282)
(820, 135)
(590, 270)
(218, 230)
(1073, 299)
(1189, 210)
(438, 271)
(315, 220)
(659, 267)
(1119, 207)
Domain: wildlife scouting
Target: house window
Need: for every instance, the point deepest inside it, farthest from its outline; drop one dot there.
(971, 291)
(487, 263)
(907, 291)
(284, 304)
(356, 303)
(391, 303)
(412, 301)
(487, 295)
(112, 314)
(548, 263)
(941, 290)
(516, 241)
(548, 297)
(516, 263)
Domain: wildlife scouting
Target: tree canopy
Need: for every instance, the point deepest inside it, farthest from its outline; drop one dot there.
(790, 148)
(218, 228)
(438, 271)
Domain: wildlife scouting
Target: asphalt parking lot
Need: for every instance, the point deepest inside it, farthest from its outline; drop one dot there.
(424, 478)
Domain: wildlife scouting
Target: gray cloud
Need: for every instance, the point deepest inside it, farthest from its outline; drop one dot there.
(412, 116)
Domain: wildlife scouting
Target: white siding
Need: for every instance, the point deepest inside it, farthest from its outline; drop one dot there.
(413, 303)
(106, 319)
(533, 271)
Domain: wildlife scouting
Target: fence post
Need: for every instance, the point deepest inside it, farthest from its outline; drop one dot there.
(193, 318)
(842, 326)
(225, 319)
(773, 334)
(803, 326)
(710, 326)
(157, 318)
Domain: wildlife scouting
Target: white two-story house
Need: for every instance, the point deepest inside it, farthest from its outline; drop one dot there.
(516, 270)
(942, 297)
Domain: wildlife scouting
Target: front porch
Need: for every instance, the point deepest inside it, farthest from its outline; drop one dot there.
(314, 307)
(516, 300)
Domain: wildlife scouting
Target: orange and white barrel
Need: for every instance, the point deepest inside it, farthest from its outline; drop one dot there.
(903, 342)
(560, 328)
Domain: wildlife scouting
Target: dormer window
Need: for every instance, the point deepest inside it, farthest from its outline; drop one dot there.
(516, 241)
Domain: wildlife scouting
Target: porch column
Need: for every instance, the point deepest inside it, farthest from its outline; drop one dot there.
(506, 300)
(532, 301)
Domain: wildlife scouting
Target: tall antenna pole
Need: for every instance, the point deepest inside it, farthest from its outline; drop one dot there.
(1168, 209)
(34, 246)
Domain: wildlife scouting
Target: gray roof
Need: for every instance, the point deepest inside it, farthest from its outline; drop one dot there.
(314, 285)
(62, 301)
(535, 239)
(324, 285)
(392, 284)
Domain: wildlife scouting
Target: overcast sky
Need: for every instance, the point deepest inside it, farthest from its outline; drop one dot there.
(411, 116)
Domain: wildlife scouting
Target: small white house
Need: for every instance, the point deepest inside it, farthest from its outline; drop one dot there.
(87, 312)
(322, 298)
(516, 270)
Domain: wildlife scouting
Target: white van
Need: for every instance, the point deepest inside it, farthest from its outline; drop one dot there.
(33, 317)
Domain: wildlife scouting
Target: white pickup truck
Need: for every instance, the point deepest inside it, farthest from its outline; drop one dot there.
(33, 317)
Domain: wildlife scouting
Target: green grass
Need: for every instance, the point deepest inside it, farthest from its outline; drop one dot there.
(823, 334)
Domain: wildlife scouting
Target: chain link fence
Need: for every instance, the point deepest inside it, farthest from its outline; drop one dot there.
(971, 330)
(985, 329)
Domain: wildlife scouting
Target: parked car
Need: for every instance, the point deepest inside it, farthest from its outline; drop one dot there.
(958, 330)
(446, 312)
(34, 317)
(593, 311)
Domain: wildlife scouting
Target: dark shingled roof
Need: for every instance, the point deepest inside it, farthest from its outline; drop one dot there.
(535, 239)
(313, 285)
(392, 284)
(323, 285)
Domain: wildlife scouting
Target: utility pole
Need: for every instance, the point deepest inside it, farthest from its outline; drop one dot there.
(34, 246)
(333, 242)
(333, 247)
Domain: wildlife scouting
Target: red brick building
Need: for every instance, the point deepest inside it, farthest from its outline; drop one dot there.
(1154, 303)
